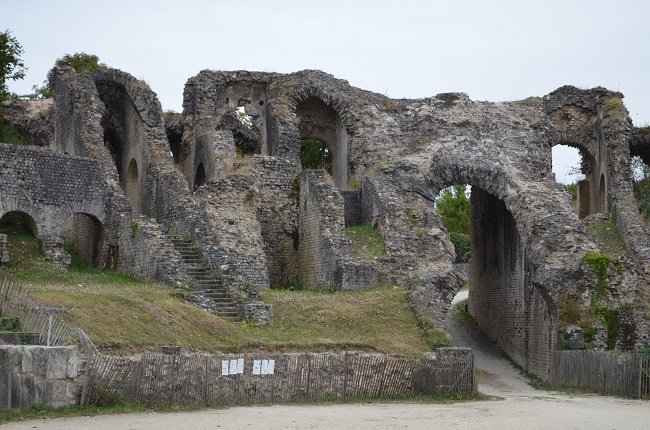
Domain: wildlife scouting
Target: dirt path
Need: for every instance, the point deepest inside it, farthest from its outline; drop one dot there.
(497, 377)
(522, 407)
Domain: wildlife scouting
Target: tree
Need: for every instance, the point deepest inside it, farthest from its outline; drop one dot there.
(315, 155)
(11, 65)
(453, 207)
(80, 61)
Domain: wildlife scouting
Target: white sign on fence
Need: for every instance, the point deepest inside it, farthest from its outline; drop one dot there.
(263, 367)
(234, 366)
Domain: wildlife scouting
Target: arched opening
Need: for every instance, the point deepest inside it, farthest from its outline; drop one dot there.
(21, 238)
(199, 177)
(501, 298)
(573, 167)
(83, 235)
(318, 121)
(132, 185)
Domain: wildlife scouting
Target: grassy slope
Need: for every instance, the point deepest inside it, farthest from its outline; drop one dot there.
(126, 315)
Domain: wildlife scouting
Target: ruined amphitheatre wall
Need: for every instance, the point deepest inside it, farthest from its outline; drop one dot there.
(399, 155)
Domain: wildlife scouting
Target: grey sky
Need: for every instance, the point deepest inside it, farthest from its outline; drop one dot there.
(492, 50)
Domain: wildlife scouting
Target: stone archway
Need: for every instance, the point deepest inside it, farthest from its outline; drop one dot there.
(515, 276)
(86, 235)
(318, 120)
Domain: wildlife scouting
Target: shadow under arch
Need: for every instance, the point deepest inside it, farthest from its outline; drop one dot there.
(86, 235)
(15, 220)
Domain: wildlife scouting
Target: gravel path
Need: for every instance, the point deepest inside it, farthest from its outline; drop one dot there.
(520, 407)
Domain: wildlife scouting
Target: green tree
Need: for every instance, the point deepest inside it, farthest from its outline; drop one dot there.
(453, 207)
(11, 68)
(80, 61)
(11, 65)
(315, 155)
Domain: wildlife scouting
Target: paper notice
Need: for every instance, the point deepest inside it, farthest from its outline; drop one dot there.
(224, 368)
(257, 367)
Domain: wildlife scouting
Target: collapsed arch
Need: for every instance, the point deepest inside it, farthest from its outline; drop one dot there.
(124, 134)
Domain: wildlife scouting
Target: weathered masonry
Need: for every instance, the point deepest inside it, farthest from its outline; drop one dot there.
(223, 183)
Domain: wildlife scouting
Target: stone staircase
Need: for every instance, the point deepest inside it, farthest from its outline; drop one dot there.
(209, 292)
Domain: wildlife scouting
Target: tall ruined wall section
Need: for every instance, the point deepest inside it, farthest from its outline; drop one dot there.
(277, 213)
(322, 241)
(230, 205)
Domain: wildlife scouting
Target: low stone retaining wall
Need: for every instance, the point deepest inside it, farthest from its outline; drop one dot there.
(39, 375)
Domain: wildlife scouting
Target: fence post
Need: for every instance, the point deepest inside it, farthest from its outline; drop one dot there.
(640, 373)
(345, 375)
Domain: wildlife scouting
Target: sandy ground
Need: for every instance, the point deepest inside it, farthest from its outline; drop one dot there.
(518, 406)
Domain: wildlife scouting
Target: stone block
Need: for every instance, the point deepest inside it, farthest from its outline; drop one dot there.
(356, 275)
(258, 313)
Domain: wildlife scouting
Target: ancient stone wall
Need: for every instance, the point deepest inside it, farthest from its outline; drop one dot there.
(321, 226)
(404, 152)
(230, 207)
(277, 213)
(39, 375)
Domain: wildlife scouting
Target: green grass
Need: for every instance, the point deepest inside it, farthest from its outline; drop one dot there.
(376, 320)
(124, 315)
(367, 243)
(608, 237)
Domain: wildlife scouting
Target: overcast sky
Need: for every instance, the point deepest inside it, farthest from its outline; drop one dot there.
(493, 50)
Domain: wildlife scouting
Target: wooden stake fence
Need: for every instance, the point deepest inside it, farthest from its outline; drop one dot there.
(164, 380)
(606, 372)
(14, 302)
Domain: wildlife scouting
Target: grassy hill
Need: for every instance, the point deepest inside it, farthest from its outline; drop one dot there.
(124, 315)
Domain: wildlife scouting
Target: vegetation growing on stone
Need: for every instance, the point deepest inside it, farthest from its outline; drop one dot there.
(315, 155)
(453, 207)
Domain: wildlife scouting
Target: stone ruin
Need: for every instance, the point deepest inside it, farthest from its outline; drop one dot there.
(215, 201)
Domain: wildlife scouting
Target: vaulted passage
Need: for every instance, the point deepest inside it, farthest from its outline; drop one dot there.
(508, 308)
(317, 121)
(85, 234)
